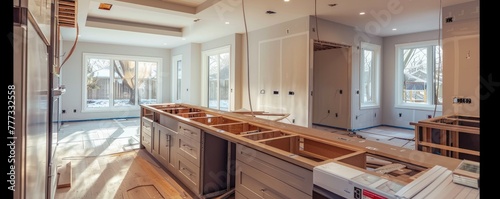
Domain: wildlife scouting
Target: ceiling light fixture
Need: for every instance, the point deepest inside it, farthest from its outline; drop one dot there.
(394, 29)
(105, 6)
(362, 13)
(286, 0)
(227, 22)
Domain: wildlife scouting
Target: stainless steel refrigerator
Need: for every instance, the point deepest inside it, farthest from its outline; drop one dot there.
(33, 57)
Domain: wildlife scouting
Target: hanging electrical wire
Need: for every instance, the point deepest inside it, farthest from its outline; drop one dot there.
(72, 48)
(316, 17)
(248, 58)
(440, 65)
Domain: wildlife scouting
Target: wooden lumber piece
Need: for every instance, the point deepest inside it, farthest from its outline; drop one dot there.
(64, 176)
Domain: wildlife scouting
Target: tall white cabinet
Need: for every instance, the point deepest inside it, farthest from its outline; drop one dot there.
(283, 77)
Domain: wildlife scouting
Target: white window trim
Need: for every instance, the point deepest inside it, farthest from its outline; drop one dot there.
(123, 57)
(399, 78)
(204, 73)
(175, 59)
(377, 67)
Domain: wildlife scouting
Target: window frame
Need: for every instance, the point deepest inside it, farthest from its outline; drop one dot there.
(112, 57)
(175, 86)
(205, 72)
(399, 80)
(376, 66)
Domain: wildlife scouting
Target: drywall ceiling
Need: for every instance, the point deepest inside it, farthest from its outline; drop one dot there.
(171, 23)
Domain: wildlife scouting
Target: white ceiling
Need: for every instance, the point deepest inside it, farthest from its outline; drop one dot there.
(171, 23)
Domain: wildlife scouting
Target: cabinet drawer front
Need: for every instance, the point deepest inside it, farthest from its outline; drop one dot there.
(189, 174)
(254, 183)
(239, 195)
(147, 126)
(189, 149)
(146, 142)
(292, 174)
(189, 131)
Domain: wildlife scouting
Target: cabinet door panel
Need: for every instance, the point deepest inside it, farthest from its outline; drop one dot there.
(256, 184)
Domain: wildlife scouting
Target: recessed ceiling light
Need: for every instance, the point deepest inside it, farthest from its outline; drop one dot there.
(105, 6)
(394, 29)
(227, 22)
(362, 13)
(270, 12)
(286, 0)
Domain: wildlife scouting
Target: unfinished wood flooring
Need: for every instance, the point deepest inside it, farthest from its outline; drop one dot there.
(113, 166)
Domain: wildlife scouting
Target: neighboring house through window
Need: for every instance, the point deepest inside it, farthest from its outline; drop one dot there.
(115, 82)
(419, 75)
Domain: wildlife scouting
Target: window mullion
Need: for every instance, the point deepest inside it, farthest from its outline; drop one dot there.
(111, 83)
(218, 80)
(430, 79)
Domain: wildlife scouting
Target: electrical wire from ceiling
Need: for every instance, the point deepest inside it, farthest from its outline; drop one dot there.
(73, 47)
(316, 18)
(248, 58)
(436, 90)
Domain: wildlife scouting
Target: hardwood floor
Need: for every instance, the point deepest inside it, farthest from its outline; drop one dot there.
(107, 163)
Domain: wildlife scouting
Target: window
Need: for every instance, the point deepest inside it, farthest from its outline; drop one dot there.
(419, 76)
(177, 79)
(114, 82)
(218, 81)
(370, 76)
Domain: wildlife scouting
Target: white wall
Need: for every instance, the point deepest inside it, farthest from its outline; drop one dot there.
(330, 106)
(235, 43)
(71, 77)
(350, 36)
(191, 67)
(461, 59)
(294, 26)
(390, 113)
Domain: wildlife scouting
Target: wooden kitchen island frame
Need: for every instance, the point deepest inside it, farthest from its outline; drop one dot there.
(216, 152)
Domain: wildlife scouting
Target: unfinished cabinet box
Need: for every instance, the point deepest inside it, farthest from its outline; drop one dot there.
(201, 161)
(259, 175)
(454, 136)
